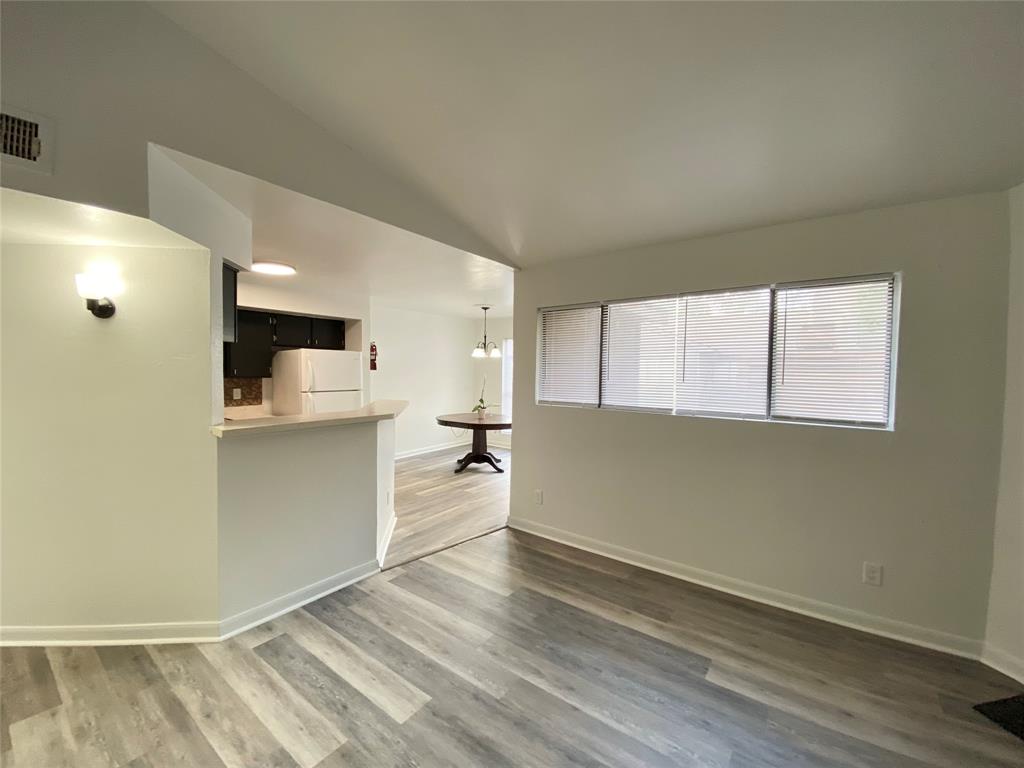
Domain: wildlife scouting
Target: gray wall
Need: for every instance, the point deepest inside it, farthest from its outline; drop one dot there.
(109, 467)
(297, 517)
(1005, 635)
(787, 513)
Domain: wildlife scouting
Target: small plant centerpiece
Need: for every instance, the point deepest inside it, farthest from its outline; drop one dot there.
(480, 409)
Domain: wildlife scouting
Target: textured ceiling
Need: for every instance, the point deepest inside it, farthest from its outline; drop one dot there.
(556, 129)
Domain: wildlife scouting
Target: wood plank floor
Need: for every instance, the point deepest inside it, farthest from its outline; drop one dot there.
(435, 508)
(508, 650)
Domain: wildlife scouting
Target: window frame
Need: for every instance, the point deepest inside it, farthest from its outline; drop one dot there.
(539, 350)
(896, 277)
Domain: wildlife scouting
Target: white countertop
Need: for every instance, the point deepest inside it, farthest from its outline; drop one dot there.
(375, 411)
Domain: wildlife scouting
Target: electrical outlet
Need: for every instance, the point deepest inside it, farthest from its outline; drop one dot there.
(236, 393)
(872, 574)
(538, 497)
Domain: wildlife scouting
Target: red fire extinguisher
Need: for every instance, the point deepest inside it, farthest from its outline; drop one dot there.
(373, 356)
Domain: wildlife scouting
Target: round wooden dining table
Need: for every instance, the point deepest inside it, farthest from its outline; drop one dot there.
(480, 426)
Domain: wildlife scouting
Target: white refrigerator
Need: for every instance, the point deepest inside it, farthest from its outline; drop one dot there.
(311, 381)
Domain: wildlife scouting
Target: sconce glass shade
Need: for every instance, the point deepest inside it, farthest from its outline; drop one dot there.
(99, 283)
(479, 351)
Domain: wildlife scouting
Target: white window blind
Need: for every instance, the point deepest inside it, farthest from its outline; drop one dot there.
(723, 353)
(816, 352)
(832, 352)
(507, 353)
(570, 355)
(639, 365)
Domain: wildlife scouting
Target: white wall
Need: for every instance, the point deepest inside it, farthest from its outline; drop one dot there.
(498, 329)
(114, 76)
(425, 359)
(1004, 637)
(783, 512)
(109, 467)
(185, 205)
(297, 517)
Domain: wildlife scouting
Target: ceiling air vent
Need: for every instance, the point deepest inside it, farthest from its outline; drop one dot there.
(27, 139)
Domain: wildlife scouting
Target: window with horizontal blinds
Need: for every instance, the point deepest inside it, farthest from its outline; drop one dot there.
(569, 361)
(639, 364)
(820, 352)
(832, 352)
(722, 353)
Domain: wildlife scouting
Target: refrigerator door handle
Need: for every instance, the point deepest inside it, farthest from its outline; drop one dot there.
(309, 370)
(311, 408)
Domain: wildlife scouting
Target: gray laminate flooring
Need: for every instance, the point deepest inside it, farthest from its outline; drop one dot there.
(508, 650)
(435, 508)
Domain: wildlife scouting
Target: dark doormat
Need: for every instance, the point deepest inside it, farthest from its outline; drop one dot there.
(1006, 713)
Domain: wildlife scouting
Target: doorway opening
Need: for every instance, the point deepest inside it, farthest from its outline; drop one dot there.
(442, 500)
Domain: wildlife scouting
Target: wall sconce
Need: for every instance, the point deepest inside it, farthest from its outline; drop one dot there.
(98, 285)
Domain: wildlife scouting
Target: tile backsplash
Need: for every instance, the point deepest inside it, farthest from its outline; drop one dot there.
(252, 391)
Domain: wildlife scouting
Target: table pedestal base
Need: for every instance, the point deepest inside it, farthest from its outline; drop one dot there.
(479, 454)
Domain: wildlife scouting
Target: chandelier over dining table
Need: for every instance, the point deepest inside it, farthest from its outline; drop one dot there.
(486, 348)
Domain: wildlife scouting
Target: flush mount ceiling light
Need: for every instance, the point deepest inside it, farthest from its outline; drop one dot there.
(486, 348)
(98, 285)
(272, 268)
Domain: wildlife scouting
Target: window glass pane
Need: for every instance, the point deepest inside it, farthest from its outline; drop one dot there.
(568, 363)
(640, 354)
(506, 378)
(832, 352)
(723, 353)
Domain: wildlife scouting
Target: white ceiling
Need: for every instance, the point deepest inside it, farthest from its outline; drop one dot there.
(556, 129)
(334, 249)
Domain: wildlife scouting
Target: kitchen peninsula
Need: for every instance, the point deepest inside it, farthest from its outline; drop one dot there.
(306, 504)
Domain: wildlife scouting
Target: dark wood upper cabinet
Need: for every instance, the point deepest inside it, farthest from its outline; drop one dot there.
(258, 334)
(229, 288)
(328, 334)
(250, 355)
(292, 331)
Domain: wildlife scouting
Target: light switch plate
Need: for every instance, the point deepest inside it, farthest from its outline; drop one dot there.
(236, 393)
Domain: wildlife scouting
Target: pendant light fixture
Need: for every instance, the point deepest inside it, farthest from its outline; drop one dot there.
(486, 348)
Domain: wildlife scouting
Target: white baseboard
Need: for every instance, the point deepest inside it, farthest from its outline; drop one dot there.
(877, 625)
(386, 541)
(183, 632)
(499, 440)
(271, 609)
(111, 634)
(1003, 661)
(432, 448)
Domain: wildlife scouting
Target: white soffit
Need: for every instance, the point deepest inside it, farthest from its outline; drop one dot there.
(29, 219)
(335, 250)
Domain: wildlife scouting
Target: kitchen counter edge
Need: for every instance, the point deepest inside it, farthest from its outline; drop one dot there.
(375, 411)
